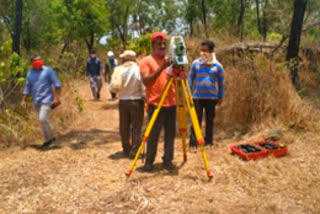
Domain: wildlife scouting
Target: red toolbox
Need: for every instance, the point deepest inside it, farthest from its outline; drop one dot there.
(259, 149)
(249, 151)
(276, 149)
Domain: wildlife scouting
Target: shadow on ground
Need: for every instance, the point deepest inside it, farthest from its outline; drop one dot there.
(110, 105)
(79, 139)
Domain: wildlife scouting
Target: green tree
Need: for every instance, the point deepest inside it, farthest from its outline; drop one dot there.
(131, 17)
(120, 11)
(81, 20)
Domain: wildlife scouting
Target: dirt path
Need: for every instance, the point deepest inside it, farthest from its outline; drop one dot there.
(86, 175)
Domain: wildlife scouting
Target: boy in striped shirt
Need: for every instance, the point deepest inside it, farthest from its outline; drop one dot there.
(206, 80)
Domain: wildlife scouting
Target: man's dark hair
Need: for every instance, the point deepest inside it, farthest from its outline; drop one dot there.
(92, 51)
(35, 56)
(209, 43)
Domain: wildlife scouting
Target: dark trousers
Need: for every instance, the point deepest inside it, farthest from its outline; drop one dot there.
(131, 119)
(209, 106)
(167, 120)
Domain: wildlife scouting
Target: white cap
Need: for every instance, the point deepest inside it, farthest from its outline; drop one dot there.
(128, 54)
(110, 54)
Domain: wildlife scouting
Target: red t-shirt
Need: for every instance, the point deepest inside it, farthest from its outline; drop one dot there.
(148, 66)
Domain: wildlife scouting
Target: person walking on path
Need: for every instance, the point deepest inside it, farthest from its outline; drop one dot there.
(206, 80)
(39, 82)
(154, 75)
(94, 72)
(127, 82)
(110, 65)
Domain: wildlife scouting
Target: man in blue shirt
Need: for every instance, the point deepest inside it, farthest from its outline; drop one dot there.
(94, 71)
(206, 80)
(40, 80)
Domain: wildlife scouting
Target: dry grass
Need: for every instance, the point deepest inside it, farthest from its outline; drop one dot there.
(86, 174)
(259, 90)
(20, 126)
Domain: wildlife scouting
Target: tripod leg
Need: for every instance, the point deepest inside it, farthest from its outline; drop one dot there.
(182, 119)
(186, 92)
(150, 125)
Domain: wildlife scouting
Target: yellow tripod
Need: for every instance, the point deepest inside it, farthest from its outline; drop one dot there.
(185, 99)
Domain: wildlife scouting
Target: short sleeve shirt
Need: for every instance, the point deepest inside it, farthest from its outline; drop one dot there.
(154, 90)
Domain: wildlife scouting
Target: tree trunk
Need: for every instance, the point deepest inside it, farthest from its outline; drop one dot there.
(240, 19)
(265, 21)
(17, 27)
(124, 31)
(294, 41)
(90, 42)
(64, 48)
(26, 39)
(204, 17)
(122, 37)
(191, 28)
(258, 16)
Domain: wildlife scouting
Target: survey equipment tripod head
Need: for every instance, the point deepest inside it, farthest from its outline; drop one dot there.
(178, 56)
(177, 52)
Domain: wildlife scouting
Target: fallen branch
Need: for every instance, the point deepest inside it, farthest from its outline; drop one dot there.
(260, 47)
(286, 36)
(257, 47)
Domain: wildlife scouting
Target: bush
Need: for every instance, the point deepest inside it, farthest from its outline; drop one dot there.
(141, 45)
(13, 70)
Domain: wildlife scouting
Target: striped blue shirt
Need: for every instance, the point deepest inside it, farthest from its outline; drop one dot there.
(206, 80)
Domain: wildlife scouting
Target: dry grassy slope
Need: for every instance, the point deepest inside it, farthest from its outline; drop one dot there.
(87, 176)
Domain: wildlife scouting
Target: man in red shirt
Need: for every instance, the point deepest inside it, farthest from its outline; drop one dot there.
(154, 76)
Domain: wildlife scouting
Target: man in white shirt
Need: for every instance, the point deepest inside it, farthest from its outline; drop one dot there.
(127, 82)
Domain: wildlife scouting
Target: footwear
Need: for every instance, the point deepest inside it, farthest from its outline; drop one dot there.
(48, 144)
(193, 149)
(98, 95)
(208, 146)
(169, 166)
(147, 167)
(125, 153)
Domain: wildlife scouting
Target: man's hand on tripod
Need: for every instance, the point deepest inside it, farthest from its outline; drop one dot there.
(165, 63)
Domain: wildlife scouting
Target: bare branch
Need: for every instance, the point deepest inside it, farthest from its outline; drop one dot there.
(286, 36)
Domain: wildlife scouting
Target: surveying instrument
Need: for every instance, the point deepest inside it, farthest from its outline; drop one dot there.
(178, 60)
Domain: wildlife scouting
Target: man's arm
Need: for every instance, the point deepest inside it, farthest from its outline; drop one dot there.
(192, 75)
(150, 78)
(26, 92)
(24, 101)
(220, 85)
(57, 92)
